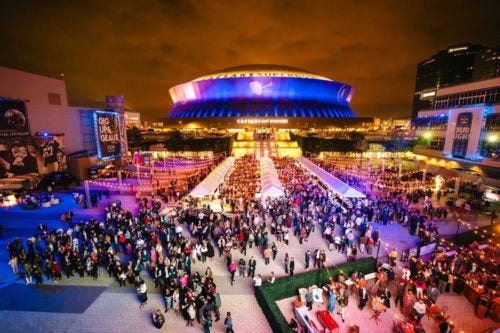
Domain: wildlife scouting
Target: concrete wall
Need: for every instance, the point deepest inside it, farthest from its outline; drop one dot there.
(43, 116)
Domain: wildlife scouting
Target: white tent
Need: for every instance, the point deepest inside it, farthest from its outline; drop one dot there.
(335, 184)
(210, 184)
(269, 180)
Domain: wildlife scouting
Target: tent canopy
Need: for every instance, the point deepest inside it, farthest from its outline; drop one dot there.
(269, 180)
(335, 184)
(210, 184)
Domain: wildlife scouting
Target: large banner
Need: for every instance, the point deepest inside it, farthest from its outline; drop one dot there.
(17, 156)
(13, 118)
(462, 133)
(107, 131)
(50, 153)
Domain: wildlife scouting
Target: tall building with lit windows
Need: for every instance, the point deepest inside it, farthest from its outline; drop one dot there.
(455, 65)
(462, 127)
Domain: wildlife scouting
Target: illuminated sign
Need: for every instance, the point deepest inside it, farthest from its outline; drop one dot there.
(462, 133)
(107, 134)
(262, 121)
(429, 94)
(456, 49)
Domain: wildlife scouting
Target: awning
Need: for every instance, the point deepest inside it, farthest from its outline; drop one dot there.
(212, 181)
(336, 185)
(269, 180)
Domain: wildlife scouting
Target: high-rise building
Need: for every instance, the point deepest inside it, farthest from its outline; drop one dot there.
(487, 64)
(455, 65)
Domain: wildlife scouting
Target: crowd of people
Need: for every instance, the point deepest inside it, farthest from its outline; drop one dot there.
(163, 247)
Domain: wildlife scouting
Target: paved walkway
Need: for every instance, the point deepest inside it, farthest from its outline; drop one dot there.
(102, 306)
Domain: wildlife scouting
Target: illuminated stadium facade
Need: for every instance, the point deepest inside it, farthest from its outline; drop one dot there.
(257, 96)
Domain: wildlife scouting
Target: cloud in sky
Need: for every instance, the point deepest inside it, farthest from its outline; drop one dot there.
(142, 48)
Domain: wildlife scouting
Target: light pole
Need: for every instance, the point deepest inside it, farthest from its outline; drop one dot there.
(458, 226)
(376, 258)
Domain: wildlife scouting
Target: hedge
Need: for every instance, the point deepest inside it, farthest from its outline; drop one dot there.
(269, 293)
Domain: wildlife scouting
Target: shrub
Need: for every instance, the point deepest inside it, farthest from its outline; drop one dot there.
(268, 293)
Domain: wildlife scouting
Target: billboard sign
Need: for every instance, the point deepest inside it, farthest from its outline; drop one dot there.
(13, 118)
(17, 156)
(107, 133)
(462, 133)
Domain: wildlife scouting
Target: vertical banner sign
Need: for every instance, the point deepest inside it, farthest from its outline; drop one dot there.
(107, 131)
(462, 133)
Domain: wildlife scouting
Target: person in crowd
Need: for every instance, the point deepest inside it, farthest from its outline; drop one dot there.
(232, 270)
(228, 323)
(208, 322)
(409, 300)
(307, 259)
(294, 326)
(420, 309)
(272, 278)
(343, 301)
(14, 265)
(292, 266)
(257, 282)
(286, 262)
(332, 299)
(385, 295)
(363, 298)
(158, 319)
(274, 250)
(267, 255)
(309, 298)
(142, 290)
(241, 267)
(433, 292)
(252, 263)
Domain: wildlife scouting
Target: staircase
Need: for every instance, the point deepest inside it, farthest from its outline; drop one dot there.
(275, 144)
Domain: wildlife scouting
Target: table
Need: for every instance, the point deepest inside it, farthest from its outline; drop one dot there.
(317, 295)
(306, 320)
(472, 294)
(326, 319)
(494, 312)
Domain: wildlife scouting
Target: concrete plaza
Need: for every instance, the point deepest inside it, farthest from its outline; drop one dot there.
(86, 305)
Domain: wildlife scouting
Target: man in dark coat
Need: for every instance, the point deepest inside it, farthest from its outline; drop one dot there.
(363, 297)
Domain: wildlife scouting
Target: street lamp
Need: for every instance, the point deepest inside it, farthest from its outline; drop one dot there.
(378, 250)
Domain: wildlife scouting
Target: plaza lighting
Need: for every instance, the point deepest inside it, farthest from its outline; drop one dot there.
(492, 138)
(427, 135)
(438, 182)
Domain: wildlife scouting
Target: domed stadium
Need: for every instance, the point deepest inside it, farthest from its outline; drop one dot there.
(256, 96)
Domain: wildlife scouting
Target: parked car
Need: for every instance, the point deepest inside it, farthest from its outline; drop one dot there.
(58, 179)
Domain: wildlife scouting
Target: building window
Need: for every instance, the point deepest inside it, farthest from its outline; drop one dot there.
(492, 122)
(54, 99)
(436, 144)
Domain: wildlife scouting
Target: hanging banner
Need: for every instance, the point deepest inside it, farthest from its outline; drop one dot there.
(17, 156)
(107, 132)
(13, 118)
(50, 153)
(462, 133)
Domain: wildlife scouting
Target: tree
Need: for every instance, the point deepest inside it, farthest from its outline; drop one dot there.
(134, 138)
(176, 141)
(359, 143)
